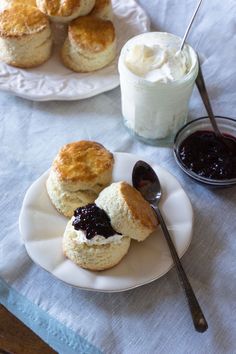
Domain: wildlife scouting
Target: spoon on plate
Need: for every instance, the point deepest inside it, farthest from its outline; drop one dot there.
(147, 183)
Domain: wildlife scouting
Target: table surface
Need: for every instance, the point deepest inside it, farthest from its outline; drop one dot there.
(16, 338)
(74, 321)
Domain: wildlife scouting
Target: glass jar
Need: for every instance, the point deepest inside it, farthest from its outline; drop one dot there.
(154, 111)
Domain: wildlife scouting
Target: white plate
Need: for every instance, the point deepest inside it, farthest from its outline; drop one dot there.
(53, 81)
(42, 227)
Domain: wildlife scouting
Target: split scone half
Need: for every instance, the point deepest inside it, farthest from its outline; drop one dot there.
(103, 10)
(129, 212)
(90, 241)
(98, 236)
(64, 11)
(90, 45)
(25, 36)
(78, 174)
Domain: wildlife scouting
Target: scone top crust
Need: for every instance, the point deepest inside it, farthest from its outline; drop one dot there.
(100, 5)
(91, 33)
(5, 4)
(21, 20)
(82, 161)
(138, 206)
(62, 8)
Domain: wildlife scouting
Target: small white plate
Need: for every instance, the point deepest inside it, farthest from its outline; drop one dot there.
(42, 227)
(53, 81)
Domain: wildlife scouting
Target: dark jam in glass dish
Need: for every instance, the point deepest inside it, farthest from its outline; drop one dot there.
(208, 156)
(94, 221)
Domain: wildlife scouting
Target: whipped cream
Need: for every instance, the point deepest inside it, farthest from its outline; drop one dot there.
(96, 240)
(157, 62)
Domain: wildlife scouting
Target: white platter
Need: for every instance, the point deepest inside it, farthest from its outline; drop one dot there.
(53, 81)
(42, 227)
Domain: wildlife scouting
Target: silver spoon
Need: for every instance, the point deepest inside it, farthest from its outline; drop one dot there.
(146, 181)
(190, 25)
(188, 28)
(200, 82)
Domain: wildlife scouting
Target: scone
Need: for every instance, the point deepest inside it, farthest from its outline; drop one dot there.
(90, 241)
(65, 11)
(25, 36)
(98, 235)
(78, 174)
(103, 10)
(129, 212)
(90, 45)
(4, 4)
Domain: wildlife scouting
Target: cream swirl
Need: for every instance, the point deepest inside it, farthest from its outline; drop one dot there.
(157, 61)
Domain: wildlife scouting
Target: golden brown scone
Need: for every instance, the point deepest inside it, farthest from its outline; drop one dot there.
(79, 172)
(65, 10)
(91, 44)
(82, 162)
(4, 4)
(103, 10)
(25, 36)
(129, 212)
(22, 20)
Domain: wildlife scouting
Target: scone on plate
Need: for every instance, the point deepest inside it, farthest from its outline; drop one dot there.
(98, 235)
(129, 212)
(65, 11)
(78, 174)
(90, 45)
(25, 36)
(91, 242)
(103, 10)
(4, 4)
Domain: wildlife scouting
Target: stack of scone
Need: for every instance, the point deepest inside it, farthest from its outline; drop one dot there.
(104, 217)
(90, 45)
(26, 39)
(127, 216)
(25, 36)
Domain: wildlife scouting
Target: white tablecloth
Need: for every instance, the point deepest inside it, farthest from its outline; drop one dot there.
(153, 318)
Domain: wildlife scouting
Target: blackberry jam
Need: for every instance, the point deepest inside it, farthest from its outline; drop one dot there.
(208, 156)
(94, 221)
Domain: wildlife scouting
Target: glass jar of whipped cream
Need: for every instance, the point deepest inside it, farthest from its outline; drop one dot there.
(156, 84)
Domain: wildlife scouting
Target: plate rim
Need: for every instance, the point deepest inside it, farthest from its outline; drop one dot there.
(113, 83)
(138, 157)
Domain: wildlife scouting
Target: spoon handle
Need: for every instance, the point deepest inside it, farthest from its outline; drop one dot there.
(198, 318)
(200, 82)
(190, 25)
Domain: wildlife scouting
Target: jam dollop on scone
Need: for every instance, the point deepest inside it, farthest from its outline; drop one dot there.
(98, 236)
(91, 242)
(79, 172)
(94, 221)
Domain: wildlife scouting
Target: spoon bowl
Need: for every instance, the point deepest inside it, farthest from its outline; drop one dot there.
(145, 180)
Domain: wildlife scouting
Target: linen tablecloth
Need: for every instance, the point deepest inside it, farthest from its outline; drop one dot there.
(153, 318)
